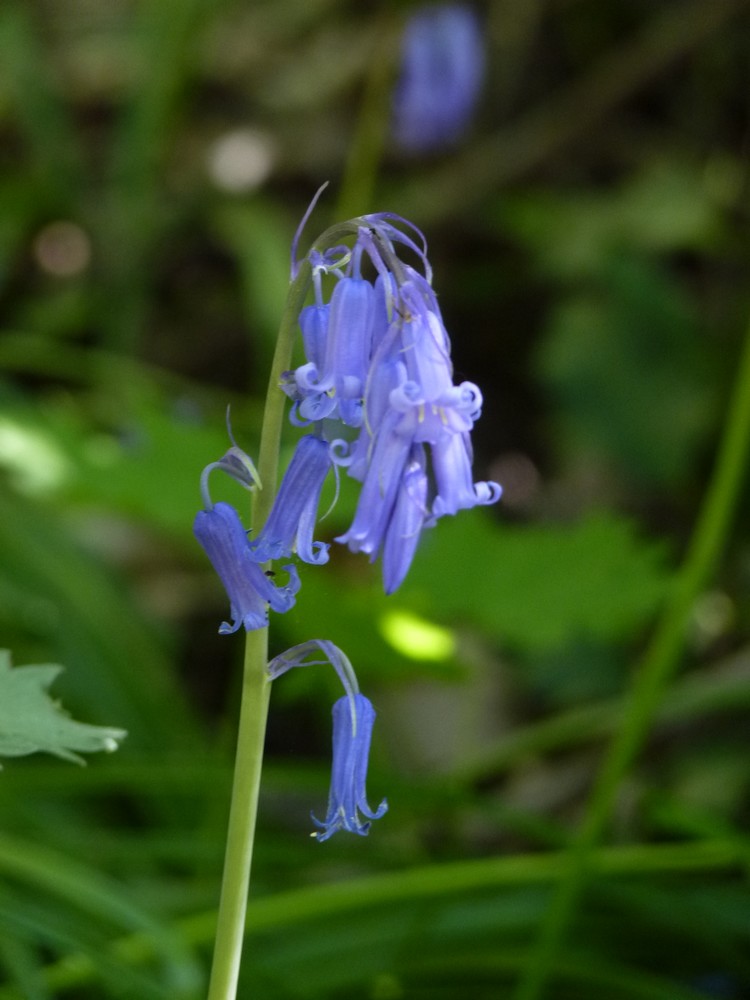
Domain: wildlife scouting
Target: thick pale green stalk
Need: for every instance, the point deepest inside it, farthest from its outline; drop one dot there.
(256, 690)
(659, 664)
(230, 927)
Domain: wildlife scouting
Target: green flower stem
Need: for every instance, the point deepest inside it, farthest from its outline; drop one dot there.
(273, 414)
(256, 688)
(657, 667)
(230, 926)
(373, 122)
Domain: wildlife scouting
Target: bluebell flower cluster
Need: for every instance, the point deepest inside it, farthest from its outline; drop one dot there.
(376, 395)
(442, 68)
(377, 384)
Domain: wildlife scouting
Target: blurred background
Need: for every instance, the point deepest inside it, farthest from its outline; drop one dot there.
(587, 218)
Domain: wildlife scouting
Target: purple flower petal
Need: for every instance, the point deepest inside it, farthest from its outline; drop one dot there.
(291, 523)
(250, 591)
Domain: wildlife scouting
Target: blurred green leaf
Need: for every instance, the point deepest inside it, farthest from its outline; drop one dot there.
(666, 206)
(30, 91)
(632, 377)
(260, 238)
(118, 665)
(31, 722)
(20, 961)
(135, 447)
(78, 887)
(541, 586)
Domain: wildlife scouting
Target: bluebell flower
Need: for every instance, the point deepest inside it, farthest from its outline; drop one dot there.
(353, 720)
(442, 66)
(379, 364)
(410, 514)
(335, 657)
(380, 488)
(338, 345)
(236, 463)
(313, 322)
(250, 590)
(349, 342)
(347, 798)
(290, 525)
(451, 462)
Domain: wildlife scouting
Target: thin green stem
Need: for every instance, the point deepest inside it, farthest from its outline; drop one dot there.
(273, 414)
(255, 698)
(368, 141)
(230, 927)
(657, 667)
(256, 687)
(256, 690)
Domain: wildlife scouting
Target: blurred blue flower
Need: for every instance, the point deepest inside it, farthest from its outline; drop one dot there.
(442, 67)
(250, 590)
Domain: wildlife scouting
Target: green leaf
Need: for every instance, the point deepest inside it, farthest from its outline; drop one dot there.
(662, 208)
(30, 721)
(630, 372)
(538, 587)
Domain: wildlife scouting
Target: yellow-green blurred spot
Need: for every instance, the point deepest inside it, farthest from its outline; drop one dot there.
(415, 637)
(34, 461)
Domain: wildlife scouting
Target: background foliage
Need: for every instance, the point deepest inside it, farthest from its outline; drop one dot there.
(590, 243)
